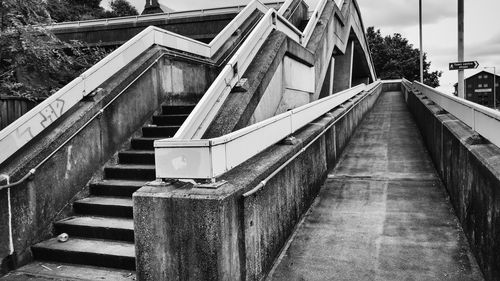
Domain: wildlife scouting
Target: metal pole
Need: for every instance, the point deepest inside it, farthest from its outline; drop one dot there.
(494, 88)
(461, 93)
(421, 45)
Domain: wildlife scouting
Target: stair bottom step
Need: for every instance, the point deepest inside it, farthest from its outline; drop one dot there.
(103, 253)
(45, 271)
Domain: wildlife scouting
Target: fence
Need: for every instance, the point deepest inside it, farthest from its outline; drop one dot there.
(12, 108)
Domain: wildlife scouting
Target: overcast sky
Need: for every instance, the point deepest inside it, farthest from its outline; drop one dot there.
(482, 31)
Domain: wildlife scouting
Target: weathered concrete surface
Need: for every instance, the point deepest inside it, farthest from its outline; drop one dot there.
(382, 214)
(188, 233)
(343, 69)
(332, 32)
(48, 271)
(470, 171)
(201, 27)
(63, 178)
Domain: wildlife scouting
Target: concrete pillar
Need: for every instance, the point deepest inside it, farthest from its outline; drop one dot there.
(186, 234)
(5, 231)
(342, 78)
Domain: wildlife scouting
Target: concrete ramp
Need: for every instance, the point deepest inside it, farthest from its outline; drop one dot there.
(382, 214)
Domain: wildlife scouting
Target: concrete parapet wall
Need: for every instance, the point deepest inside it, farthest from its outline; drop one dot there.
(203, 28)
(183, 232)
(470, 169)
(63, 178)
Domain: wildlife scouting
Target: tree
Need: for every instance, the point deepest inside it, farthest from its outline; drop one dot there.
(33, 62)
(122, 8)
(77, 10)
(74, 10)
(394, 58)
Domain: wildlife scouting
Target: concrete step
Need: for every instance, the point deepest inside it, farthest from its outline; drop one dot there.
(104, 206)
(121, 229)
(159, 131)
(106, 253)
(143, 143)
(169, 120)
(136, 157)
(130, 172)
(177, 109)
(118, 188)
(51, 271)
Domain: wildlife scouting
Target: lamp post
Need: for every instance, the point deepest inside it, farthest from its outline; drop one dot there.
(461, 93)
(494, 85)
(421, 51)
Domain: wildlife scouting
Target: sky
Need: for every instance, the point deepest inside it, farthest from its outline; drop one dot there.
(482, 29)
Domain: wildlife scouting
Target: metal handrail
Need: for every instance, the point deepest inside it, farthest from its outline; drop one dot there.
(481, 119)
(210, 158)
(32, 172)
(264, 182)
(17, 134)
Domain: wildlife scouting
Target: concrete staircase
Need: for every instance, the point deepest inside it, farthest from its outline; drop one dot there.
(102, 231)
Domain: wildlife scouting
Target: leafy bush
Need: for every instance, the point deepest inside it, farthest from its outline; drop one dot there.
(33, 62)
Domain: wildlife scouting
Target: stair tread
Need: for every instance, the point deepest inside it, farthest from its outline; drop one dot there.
(104, 200)
(132, 166)
(148, 138)
(65, 271)
(95, 221)
(173, 115)
(92, 246)
(117, 182)
(137, 151)
(163, 126)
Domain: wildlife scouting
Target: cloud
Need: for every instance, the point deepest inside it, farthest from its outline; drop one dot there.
(405, 12)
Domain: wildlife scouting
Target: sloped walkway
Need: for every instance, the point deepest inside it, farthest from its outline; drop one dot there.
(382, 214)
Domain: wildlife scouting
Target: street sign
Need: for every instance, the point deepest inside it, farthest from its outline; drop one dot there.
(463, 65)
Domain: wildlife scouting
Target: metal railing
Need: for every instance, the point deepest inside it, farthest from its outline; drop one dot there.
(210, 158)
(20, 132)
(483, 120)
(205, 111)
(158, 16)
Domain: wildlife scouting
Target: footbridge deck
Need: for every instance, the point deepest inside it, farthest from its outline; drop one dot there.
(382, 214)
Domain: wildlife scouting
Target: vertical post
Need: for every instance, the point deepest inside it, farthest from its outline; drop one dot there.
(494, 88)
(461, 47)
(421, 45)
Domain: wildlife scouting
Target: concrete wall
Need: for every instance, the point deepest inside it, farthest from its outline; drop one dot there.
(63, 178)
(470, 170)
(202, 28)
(296, 13)
(334, 31)
(187, 233)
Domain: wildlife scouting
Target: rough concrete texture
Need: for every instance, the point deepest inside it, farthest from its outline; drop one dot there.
(203, 28)
(382, 214)
(332, 30)
(63, 178)
(49, 271)
(4, 228)
(296, 13)
(188, 233)
(470, 170)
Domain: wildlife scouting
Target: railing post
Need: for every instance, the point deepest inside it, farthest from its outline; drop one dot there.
(473, 119)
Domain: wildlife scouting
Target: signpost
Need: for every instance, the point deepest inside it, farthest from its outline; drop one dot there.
(463, 65)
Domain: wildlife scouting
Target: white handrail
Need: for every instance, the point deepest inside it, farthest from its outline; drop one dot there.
(485, 121)
(210, 158)
(313, 21)
(204, 112)
(20, 132)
